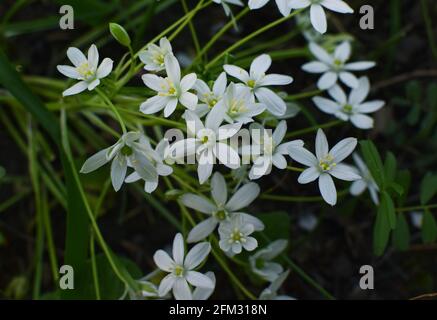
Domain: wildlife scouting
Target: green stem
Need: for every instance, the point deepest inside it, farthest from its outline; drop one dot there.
(413, 208)
(192, 29)
(113, 108)
(295, 169)
(313, 128)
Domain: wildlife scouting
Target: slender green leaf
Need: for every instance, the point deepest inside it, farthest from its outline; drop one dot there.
(429, 228)
(401, 235)
(428, 188)
(374, 162)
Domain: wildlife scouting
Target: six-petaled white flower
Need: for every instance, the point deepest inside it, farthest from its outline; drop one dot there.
(267, 150)
(317, 12)
(157, 158)
(235, 235)
(208, 143)
(367, 181)
(209, 98)
(128, 151)
(261, 262)
(325, 164)
(171, 89)
(86, 69)
(283, 5)
(154, 56)
(181, 269)
(257, 81)
(334, 66)
(221, 209)
(352, 108)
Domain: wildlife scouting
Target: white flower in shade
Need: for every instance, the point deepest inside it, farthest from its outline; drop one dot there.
(225, 5)
(201, 293)
(257, 80)
(283, 5)
(271, 292)
(235, 235)
(85, 69)
(317, 12)
(171, 89)
(209, 98)
(181, 269)
(325, 164)
(240, 104)
(154, 56)
(128, 151)
(208, 143)
(261, 262)
(352, 108)
(156, 157)
(267, 149)
(367, 182)
(221, 209)
(416, 219)
(334, 67)
(307, 221)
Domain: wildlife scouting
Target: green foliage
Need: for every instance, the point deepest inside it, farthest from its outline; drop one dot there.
(401, 235)
(428, 188)
(429, 228)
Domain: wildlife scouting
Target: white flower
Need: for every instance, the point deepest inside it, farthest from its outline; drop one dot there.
(209, 98)
(270, 293)
(416, 219)
(181, 269)
(352, 108)
(208, 142)
(257, 80)
(86, 69)
(221, 209)
(225, 5)
(334, 66)
(283, 5)
(267, 149)
(128, 151)
(235, 235)
(156, 157)
(307, 221)
(317, 13)
(367, 182)
(240, 104)
(261, 262)
(326, 164)
(201, 293)
(171, 89)
(154, 56)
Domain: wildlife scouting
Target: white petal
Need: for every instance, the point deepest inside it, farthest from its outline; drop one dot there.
(204, 169)
(163, 260)
(204, 293)
(337, 6)
(322, 146)
(198, 279)
(256, 4)
(327, 189)
(198, 203)
(320, 53)
(219, 86)
(215, 116)
(193, 122)
(219, 190)
(348, 79)
(360, 93)
(93, 85)
(344, 172)
(196, 255)
(118, 171)
(178, 249)
(308, 175)
(150, 186)
(172, 68)
(343, 149)
(299, 4)
(227, 155)
(166, 285)
(202, 88)
(275, 105)
(69, 71)
(228, 130)
(357, 187)
(105, 68)
(285, 147)
(188, 81)
(93, 57)
(181, 290)
(327, 80)
(75, 89)
(274, 79)
(202, 230)
(303, 156)
(358, 66)
(318, 18)
(283, 7)
(260, 65)
(326, 105)
(236, 72)
(250, 244)
(76, 56)
(179, 149)
(371, 106)
(261, 167)
(315, 67)
(338, 94)
(362, 121)
(257, 224)
(95, 161)
(243, 197)
(279, 161)
(153, 104)
(343, 51)
(170, 107)
(279, 133)
(153, 81)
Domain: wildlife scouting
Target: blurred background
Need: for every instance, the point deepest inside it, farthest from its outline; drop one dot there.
(329, 244)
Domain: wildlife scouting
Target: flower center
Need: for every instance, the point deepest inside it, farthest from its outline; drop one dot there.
(126, 151)
(179, 271)
(237, 236)
(159, 59)
(237, 106)
(327, 163)
(347, 108)
(251, 83)
(338, 64)
(85, 70)
(169, 89)
(221, 215)
(206, 136)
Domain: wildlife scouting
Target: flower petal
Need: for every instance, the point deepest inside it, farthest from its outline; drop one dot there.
(357, 187)
(93, 57)
(343, 149)
(243, 197)
(166, 284)
(274, 79)
(198, 203)
(153, 104)
(343, 51)
(327, 189)
(303, 156)
(118, 171)
(338, 94)
(337, 6)
(318, 18)
(360, 93)
(173, 69)
(105, 68)
(327, 80)
(315, 67)
(95, 161)
(153, 81)
(171, 105)
(320, 53)
(75, 89)
(344, 172)
(348, 79)
(204, 293)
(76, 56)
(260, 65)
(236, 72)
(188, 82)
(308, 175)
(359, 66)
(202, 230)
(275, 105)
(322, 146)
(163, 260)
(362, 121)
(227, 155)
(178, 249)
(371, 106)
(196, 255)
(219, 190)
(69, 71)
(326, 105)
(198, 279)
(181, 290)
